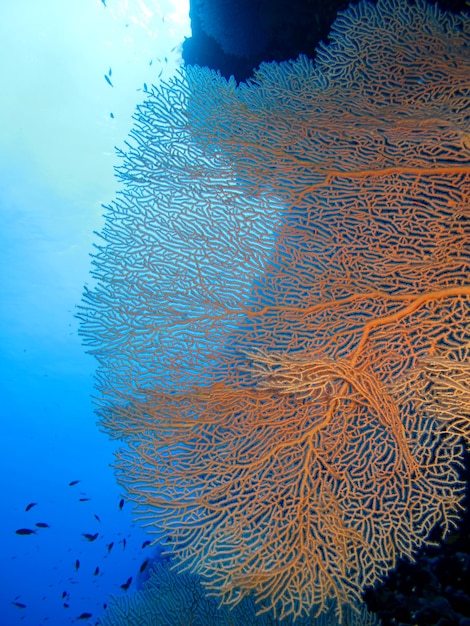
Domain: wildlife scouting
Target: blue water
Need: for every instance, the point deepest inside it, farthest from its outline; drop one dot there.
(56, 169)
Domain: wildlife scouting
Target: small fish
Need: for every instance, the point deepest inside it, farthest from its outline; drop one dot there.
(103, 2)
(108, 80)
(42, 525)
(25, 531)
(110, 546)
(143, 567)
(84, 616)
(145, 87)
(97, 518)
(30, 506)
(121, 503)
(124, 543)
(66, 606)
(83, 499)
(110, 72)
(73, 482)
(20, 605)
(89, 537)
(127, 584)
(77, 565)
(64, 593)
(146, 543)
(97, 571)
(111, 115)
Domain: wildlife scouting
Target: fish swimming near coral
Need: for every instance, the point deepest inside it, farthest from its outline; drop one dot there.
(127, 584)
(84, 616)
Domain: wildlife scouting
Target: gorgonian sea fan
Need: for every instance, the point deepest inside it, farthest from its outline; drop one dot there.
(281, 315)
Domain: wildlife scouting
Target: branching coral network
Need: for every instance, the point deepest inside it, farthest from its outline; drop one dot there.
(282, 311)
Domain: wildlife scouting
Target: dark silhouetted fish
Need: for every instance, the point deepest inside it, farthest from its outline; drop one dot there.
(111, 115)
(73, 482)
(84, 499)
(84, 616)
(121, 503)
(97, 571)
(42, 525)
(143, 567)
(146, 543)
(30, 506)
(96, 517)
(25, 531)
(124, 543)
(64, 593)
(77, 565)
(110, 546)
(127, 584)
(20, 605)
(108, 80)
(89, 537)
(66, 606)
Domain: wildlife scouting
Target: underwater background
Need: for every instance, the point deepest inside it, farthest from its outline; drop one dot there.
(61, 121)
(72, 75)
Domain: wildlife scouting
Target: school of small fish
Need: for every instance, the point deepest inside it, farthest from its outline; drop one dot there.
(88, 537)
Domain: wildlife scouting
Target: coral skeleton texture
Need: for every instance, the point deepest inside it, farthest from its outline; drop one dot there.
(281, 314)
